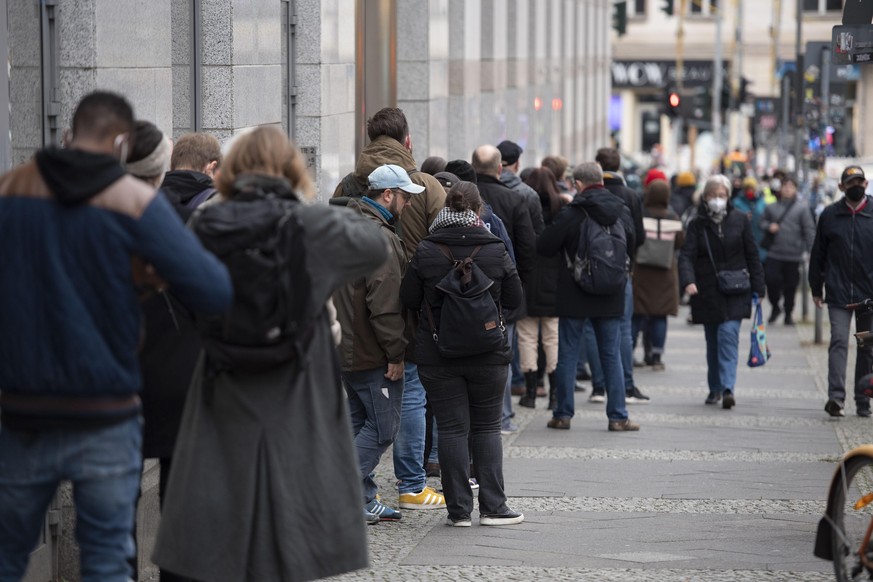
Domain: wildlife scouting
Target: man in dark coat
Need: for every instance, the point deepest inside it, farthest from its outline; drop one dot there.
(510, 160)
(841, 262)
(195, 159)
(592, 202)
(610, 160)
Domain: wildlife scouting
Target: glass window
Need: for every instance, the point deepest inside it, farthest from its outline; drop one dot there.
(639, 7)
(810, 5)
(696, 7)
(834, 5)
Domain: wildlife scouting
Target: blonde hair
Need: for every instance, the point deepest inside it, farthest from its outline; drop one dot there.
(264, 150)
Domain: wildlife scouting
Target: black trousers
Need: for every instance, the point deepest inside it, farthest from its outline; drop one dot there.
(782, 278)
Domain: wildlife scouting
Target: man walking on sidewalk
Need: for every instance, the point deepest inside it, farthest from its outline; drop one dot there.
(841, 261)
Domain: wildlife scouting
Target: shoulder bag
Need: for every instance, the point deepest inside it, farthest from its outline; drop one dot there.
(733, 282)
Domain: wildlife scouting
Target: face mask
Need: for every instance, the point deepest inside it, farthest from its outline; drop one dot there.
(717, 205)
(855, 193)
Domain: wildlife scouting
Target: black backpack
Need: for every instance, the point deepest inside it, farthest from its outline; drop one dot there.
(601, 263)
(259, 239)
(471, 323)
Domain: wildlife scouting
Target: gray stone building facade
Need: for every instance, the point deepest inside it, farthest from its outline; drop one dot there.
(466, 72)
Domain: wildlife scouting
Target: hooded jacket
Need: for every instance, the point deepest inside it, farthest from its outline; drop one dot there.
(732, 248)
(531, 199)
(72, 223)
(417, 218)
(561, 239)
(369, 309)
(614, 182)
(841, 261)
(427, 269)
(180, 186)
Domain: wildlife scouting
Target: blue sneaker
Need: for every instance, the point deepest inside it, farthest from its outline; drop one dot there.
(371, 518)
(384, 512)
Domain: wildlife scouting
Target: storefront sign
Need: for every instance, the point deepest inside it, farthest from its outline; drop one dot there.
(658, 74)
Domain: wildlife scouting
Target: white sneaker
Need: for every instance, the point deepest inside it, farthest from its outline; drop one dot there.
(597, 396)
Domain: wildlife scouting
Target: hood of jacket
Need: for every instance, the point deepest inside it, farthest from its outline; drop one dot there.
(383, 150)
(600, 204)
(75, 176)
(183, 185)
(474, 235)
(611, 178)
(510, 179)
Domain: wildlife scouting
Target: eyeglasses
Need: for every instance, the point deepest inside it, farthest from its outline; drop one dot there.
(406, 195)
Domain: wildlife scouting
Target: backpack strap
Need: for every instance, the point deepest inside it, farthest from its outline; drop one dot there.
(201, 197)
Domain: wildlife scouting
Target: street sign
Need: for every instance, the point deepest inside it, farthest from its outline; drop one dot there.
(852, 44)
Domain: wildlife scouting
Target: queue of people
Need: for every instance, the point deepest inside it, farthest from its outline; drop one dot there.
(272, 362)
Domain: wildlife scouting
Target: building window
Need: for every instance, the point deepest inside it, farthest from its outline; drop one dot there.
(638, 7)
(703, 7)
(822, 6)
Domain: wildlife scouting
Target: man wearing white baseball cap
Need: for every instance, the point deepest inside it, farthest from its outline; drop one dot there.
(373, 342)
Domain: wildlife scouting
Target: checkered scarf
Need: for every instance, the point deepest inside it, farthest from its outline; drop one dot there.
(448, 218)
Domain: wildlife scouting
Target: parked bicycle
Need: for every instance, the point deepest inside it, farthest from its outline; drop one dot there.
(845, 532)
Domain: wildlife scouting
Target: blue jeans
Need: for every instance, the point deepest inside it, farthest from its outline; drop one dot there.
(409, 442)
(104, 465)
(507, 394)
(654, 328)
(588, 354)
(374, 407)
(466, 402)
(627, 340)
(722, 345)
(607, 331)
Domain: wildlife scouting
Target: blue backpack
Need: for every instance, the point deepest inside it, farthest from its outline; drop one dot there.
(601, 263)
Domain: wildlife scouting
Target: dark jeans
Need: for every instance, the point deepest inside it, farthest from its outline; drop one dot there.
(654, 328)
(467, 402)
(782, 278)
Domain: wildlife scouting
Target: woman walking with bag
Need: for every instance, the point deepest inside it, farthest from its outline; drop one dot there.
(719, 268)
(465, 386)
(655, 280)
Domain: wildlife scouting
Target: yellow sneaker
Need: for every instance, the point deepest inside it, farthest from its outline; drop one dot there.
(427, 498)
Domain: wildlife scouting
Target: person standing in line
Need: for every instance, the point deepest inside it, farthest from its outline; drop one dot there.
(466, 392)
(790, 227)
(592, 202)
(266, 423)
(610, 160)
(81, 238)
(391, 143)
(719, 239)
(193, 165)
(541, 320)
(841, 273)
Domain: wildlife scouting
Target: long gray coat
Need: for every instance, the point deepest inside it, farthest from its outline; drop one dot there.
(265, 483)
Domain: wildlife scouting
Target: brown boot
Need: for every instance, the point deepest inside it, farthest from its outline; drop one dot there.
(553, 391)
(529, 400)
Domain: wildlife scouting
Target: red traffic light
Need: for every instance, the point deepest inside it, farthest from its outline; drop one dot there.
(674, 99)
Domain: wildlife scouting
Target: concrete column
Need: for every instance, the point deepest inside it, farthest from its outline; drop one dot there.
(241, 74)
(465, 77)
(326, 98)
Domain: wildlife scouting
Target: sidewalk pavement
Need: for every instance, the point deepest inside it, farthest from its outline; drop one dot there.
(700, 493)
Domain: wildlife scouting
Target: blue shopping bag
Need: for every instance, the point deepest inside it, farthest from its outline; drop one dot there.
(759, 353)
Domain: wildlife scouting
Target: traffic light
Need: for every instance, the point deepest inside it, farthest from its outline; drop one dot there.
(619, 17)
(667, 8)
(672, 102)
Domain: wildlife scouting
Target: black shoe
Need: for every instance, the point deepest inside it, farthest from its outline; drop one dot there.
(508, 518)
(774, 315)
(834, 407)
(728, 401)
(529, 400)
(432, 469)
(634, 396)
(584, 374)
(788, 319)
(864, 412)
(713, 398)
(657, 364)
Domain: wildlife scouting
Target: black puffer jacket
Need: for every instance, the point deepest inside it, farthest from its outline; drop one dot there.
(429, 265)
(561, 239)
(841, 260)
(732, 248)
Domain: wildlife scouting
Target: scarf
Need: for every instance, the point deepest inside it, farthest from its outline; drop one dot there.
(448, 218)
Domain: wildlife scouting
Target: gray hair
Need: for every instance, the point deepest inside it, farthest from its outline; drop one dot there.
(716, 181)
(588, 173)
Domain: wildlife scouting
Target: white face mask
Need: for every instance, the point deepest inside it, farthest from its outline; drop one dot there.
(717, 205)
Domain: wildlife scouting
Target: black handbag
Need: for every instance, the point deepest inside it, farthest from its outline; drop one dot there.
(730, 282)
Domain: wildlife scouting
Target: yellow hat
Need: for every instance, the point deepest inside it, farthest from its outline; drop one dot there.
(685, 179)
